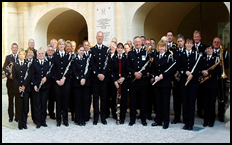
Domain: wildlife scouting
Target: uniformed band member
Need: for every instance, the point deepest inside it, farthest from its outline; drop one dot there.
(171, 45)
(138, 80)
(87, 52)
(177, 101)
(209, 86)
(81, 83)
(12, 88)
(162, 71)
(189, 69)
(21, 75)
(122, 81)
(62, 77)
(222, 99)
(41, 74)
(51, 97)
(100, 60)
(200, 48)
(29, 95)
(111, 96)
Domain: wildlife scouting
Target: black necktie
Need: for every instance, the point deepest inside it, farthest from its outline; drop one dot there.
(21, 63)
(41, 63)
(208, 58)
(99, 47)
(188, 54)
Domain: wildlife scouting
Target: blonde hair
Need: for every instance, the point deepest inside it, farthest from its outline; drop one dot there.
(21, 50)
(161, 43)
(60, 41)
(68, 42)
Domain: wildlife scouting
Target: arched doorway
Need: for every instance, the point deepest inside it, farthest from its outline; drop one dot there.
(69, 25)
(59, 23)
(154, 19)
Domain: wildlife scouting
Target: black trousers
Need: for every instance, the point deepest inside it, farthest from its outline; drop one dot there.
(40, 105)
(13, 91)
(123, 101)
(150, 101)
(189, 95)
(162, 104)
(25, 103)
(200, 101)
(111, 99)
(62, 102)
(51, 100)
(142, 94)
(177, 101)
(81, 101)
(222, 98)
(99, 90)
(209, 105)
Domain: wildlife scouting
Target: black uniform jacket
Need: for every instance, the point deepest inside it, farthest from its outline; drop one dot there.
(135, 63)
(40, 71)
(115, 67)
(22, 74)
(61, 66)
(163, 66)
(187, 64)
(100, 63)
(81, 70)
(212, 81)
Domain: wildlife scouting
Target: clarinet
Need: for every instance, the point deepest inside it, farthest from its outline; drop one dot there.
(194, 68)
(143, 68)
(41, 83)
(26, 75)
(119, 93)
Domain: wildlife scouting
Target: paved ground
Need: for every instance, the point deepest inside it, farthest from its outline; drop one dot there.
(110, 133)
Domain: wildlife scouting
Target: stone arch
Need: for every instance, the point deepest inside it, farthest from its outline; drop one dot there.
(42, 25)
(154, 19)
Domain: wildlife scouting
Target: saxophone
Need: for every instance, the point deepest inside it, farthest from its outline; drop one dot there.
(9, 68)
(204, 78)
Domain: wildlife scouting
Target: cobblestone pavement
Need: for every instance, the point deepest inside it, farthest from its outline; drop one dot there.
(110, 133)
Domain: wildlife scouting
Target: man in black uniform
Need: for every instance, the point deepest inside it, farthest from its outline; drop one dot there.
(12, 89)
(100, 66)
(221, 78)
(200, 48)
(137, 67)
(51, 96)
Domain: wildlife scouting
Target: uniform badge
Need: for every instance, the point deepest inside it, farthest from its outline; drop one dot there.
(143, 57)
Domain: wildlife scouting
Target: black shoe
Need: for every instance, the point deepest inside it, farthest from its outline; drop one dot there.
(144, 123)
(190, 128)
(131, 123)
(155, 124)
(11, 120)
(175, 121)
(52, 117)
(185, 127)
(221, 119)
(165, 126)
(44, 125)
(25, 126)
(58, 124)
(20, 128)
(38, 126)
(211, 125)
(121, 122)
(83, 123)
(17, 120)
(205, 124)
(80, 124)
(104, 122)
(94, 122)
(66, 124)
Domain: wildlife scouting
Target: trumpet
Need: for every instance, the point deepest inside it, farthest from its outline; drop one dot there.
(204, 78)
